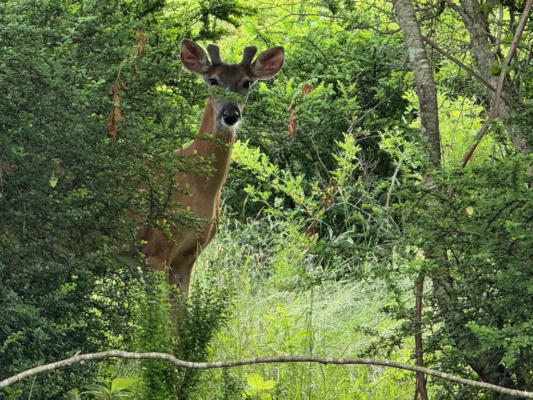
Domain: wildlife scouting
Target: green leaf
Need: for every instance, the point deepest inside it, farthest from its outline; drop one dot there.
(495, 69)
(255, 381)
(53, 180)
(300, 334)
(123, 384)
(269, 385)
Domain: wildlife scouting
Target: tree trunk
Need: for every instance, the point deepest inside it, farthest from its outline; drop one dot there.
(429, 124)
(419, 348)
(425, 84)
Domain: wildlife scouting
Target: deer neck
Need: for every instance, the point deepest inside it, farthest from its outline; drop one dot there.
(216, 142)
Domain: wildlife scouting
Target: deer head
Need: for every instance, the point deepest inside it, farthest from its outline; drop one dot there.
(230, 83)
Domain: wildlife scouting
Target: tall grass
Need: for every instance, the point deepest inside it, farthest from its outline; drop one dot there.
(276, 314)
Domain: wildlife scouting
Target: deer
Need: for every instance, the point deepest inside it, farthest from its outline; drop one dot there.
(176, 255)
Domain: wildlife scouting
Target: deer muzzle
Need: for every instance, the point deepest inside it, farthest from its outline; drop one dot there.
(230, 114)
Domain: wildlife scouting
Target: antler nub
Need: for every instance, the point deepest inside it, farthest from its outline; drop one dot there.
(214, 54)
(248, 55)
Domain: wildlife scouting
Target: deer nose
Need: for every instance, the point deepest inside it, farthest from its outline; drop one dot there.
(231, 114)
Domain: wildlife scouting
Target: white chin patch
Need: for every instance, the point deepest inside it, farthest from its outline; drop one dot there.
(225, 129)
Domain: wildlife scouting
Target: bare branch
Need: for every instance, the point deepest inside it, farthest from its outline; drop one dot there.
(393, 181)
(257, 360)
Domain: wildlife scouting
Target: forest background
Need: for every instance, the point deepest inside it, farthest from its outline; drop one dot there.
(350, 225)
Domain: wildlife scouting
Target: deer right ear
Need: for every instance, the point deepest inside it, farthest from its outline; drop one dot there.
(193, 57)
(268, 63)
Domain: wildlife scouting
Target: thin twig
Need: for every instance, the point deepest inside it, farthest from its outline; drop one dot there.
(494, 109)
(31, 388)
(393, 181)
(257, 360)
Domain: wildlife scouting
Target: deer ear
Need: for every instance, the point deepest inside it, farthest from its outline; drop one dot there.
(193, 57)
(268, 63)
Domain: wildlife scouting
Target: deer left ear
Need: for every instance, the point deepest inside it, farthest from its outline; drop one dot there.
(193, 57)
(268, 63)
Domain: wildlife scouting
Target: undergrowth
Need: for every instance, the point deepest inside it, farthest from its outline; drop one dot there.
(276, 315)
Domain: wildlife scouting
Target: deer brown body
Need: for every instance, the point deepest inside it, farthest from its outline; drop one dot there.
(177, 254)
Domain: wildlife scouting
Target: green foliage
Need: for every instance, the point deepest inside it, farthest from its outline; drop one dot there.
(258, 387)
(328, 217)
(232, 386)
(186, 334)
(118, 388)
(154, 333)
(322, 92)
(66, 190)
(331, 319)
(213, 13)
(348, 215)
(205, 312)
(477, 224)
(63, 199)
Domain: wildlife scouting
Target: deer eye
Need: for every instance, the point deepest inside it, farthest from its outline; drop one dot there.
(212, 82)
(246, 84)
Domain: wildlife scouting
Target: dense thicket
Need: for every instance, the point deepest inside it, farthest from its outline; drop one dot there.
(335, 81)
(479, 225)
(65, 187)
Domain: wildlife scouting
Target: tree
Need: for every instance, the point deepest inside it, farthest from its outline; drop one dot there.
(429, 124)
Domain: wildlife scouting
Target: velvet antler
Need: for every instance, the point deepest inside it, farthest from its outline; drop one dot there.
(248, 55)
(214, 54)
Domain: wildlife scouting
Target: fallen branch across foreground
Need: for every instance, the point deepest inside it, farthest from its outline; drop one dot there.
(258, 360)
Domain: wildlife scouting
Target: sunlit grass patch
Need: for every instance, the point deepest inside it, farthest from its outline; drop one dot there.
(338, 319)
